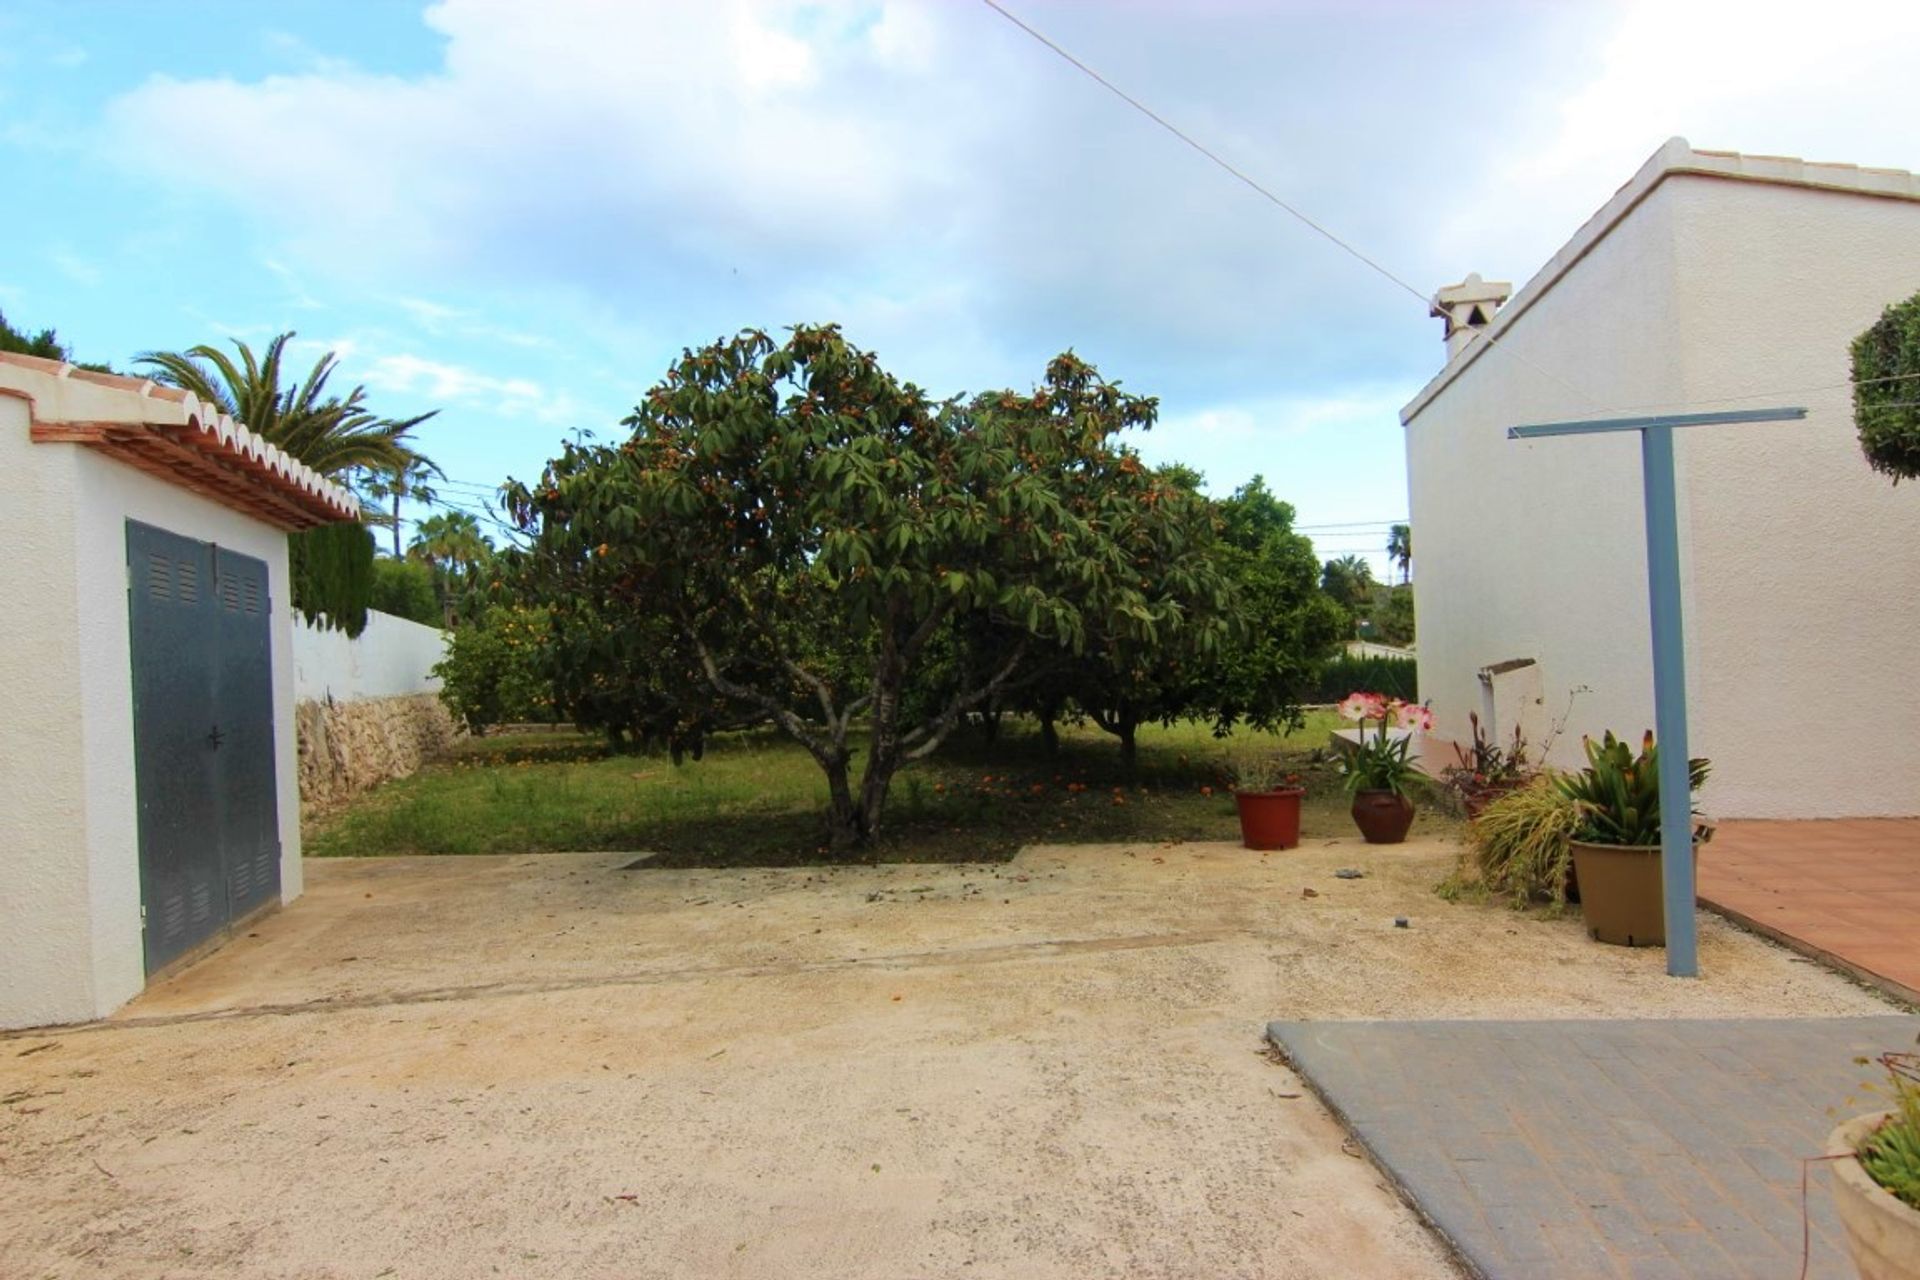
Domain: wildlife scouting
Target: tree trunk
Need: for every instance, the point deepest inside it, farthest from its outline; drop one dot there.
(396, 523)
(1128, 752)
(990, 724)
(1049, 733)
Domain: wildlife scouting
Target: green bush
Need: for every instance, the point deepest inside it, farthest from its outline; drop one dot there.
(497, 669)
(1340, 676)
(404, 588)
(1886, 365)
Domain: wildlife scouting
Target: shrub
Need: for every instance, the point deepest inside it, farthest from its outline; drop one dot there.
(1520, 844)
(496, 669)
(404, 588)
(1886, 364)
(1392, 677)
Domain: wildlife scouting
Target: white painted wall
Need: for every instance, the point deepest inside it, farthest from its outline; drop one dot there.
(1799, 564)
(1806, 581)
(69, 837)
(392, 657)
(45, 946)
(1521, 545)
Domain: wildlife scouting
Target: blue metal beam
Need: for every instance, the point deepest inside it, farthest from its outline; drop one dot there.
(1666, 614)
(1539, 430)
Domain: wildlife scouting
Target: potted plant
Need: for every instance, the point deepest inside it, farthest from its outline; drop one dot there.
(1616, 839)
(1379, 774)
(1876, 1179)
(1268, 798)
(1488, 770)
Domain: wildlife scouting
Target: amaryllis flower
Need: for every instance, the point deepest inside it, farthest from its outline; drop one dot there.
(1363, 706)
(1413, 715)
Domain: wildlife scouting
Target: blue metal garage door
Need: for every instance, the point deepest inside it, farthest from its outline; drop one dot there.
(203, 737)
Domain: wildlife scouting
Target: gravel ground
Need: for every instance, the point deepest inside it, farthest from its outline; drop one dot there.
(547, 1067)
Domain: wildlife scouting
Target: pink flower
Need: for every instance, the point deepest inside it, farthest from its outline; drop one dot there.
(1413, 715)
(1362, 707)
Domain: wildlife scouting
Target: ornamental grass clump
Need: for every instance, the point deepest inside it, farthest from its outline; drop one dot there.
(1520, 844)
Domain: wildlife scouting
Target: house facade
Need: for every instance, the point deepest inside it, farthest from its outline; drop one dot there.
(147, 757)
(1710, 281)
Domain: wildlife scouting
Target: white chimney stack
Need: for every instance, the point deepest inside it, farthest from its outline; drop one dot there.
(1467, 307)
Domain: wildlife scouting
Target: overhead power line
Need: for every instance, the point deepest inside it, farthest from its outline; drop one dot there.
(1371, 263)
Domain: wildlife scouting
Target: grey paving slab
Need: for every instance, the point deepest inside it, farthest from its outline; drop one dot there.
(1604, 1149)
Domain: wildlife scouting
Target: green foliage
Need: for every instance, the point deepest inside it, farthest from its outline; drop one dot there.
(334, 436)
(1391, 618)
(756, 798)
(1891, 1154)
(46, 343)
(404, 588)
(1379, 761)
(1519, 843)
(1617, 796)
(1338, 676)
(1400, 549)
(1886, 391)
(1349, 580)
(332, 572)
(794, 528)
(1285, 626)
(455, 552)
(495, 670)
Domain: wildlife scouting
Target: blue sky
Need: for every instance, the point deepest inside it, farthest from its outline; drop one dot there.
(518, 213)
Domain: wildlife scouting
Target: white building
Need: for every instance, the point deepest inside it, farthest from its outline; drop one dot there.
(148, 802)
(1710, 281)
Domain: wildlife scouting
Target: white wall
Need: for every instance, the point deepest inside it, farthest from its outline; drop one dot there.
(1531, 550)
(45, 948)
(1806, 582)
(69, 833)
(392, 657)
(1801, 568)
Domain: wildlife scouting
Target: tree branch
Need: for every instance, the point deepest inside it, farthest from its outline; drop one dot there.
(935, 731)
(822, 749)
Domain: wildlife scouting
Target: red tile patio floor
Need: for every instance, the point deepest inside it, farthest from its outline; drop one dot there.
(1846, 891)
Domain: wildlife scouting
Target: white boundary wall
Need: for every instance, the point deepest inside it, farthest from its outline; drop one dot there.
(392, 658)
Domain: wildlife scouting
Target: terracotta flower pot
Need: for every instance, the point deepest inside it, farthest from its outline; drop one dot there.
(1621, 893)
(1883, 1233)
(1382, 816)
(1270, 819)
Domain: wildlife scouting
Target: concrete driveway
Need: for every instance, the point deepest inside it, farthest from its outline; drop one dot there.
(548, 1066)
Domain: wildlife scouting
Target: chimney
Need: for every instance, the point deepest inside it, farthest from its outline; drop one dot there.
(1467, 307)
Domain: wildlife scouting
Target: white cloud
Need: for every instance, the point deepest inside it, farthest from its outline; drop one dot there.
(968, 205)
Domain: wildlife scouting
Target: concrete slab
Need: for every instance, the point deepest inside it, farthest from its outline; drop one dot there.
(1603, 1149)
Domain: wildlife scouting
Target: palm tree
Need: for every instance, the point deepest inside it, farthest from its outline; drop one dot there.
(329, 434)
(409, 482)
(1400, 549)
(453, 546)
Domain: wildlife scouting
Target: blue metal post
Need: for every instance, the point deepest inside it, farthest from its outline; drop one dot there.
(1670, 698)
(1669, 648)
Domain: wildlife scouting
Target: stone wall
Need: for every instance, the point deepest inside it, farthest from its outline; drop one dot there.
(347, 747)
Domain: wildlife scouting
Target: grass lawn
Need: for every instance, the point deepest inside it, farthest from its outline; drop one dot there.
(757, 799)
